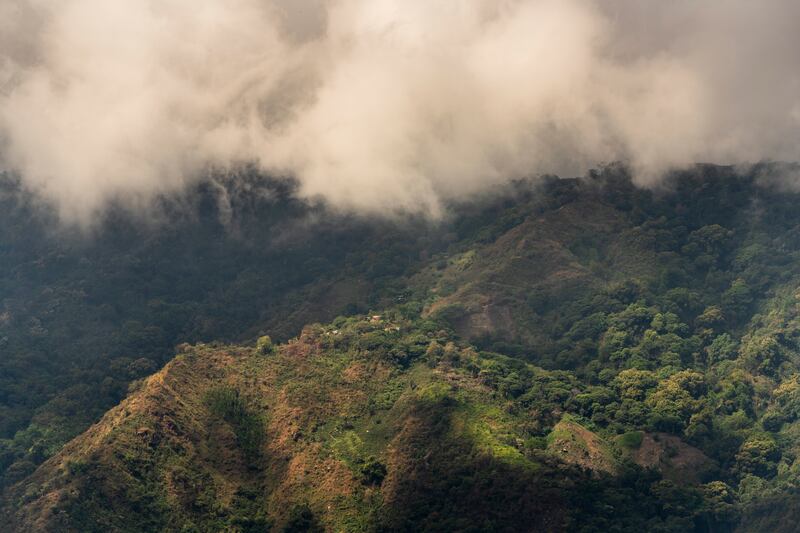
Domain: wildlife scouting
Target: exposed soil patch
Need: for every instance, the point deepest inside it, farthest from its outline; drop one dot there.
(671, 456)
(574, 444)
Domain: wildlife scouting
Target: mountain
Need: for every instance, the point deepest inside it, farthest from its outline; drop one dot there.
(565, 355)
(371, 423)
(83, 315)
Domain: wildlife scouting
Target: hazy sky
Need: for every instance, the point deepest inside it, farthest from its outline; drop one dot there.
(386, 105)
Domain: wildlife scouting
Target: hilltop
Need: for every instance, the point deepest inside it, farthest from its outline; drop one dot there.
(373, 423)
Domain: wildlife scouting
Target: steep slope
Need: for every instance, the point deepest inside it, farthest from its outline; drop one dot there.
(81, 316)
(164, 457)
(583, 354)
(375, 423)
(508, 288)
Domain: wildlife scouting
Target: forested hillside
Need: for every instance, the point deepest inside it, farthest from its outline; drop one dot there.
(568, 354)
(82, 314)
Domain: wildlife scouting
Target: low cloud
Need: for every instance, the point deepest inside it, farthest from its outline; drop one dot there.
(385, 106)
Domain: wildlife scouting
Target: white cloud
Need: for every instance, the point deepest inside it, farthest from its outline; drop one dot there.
(386, 105)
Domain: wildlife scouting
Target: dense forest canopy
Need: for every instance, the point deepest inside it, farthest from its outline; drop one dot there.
(630, 339)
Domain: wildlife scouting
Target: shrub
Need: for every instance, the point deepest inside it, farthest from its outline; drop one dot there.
(226, 403)
(631, 440)
(302, 519)
(264, 345)
(373, 472)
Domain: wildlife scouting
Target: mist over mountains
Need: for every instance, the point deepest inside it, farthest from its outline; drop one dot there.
(385, 106)
(576, 354)
(380, 265)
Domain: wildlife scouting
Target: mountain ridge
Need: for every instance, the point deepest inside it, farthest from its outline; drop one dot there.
(605, 357)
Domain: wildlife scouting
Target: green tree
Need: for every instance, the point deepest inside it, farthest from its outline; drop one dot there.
(736, 301)
(264, 345)
(758, 456)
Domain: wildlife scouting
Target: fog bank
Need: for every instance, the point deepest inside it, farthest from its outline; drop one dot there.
(386, 106)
